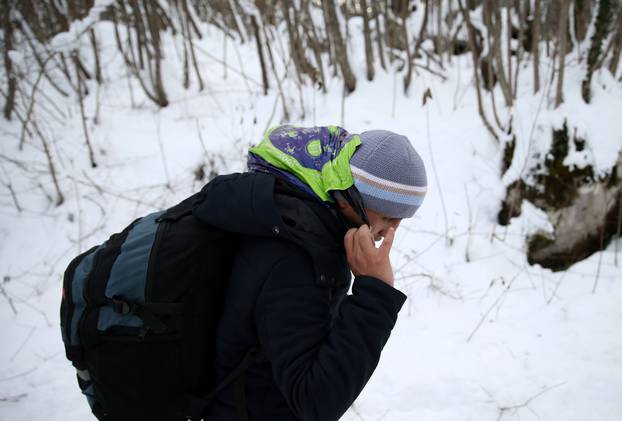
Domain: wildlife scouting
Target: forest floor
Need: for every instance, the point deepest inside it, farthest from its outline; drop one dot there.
(483, 335)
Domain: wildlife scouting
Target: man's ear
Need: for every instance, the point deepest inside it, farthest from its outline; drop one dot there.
(342, 204)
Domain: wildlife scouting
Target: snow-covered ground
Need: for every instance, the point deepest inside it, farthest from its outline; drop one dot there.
(483, 335)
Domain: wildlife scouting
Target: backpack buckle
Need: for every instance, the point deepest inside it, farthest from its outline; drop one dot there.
(121, 307)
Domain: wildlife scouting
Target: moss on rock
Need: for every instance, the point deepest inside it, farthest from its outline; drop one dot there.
(585, 210)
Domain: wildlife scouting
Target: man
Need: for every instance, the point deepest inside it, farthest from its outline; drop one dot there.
(308, 212)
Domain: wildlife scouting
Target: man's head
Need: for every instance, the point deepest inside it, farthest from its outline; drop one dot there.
(388, 175)
(391, 178)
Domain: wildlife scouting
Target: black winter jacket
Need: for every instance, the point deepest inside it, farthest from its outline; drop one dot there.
(287, 294)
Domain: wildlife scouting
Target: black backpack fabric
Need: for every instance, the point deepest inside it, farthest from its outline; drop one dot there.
(139, 313)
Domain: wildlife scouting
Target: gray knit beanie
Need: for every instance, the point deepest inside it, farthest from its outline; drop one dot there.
(389, 173)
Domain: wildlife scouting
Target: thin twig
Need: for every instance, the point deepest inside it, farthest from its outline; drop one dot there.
(103, 191)
(467, 255)
(85, 129)
(200, 136)
(32, 103)
(9, 186)
(496, 302)
(526, 403)
(618, 227)
(13, 399)
(282, 97)
(9, 299)
(164, 164)
(559, 282)
(436, 179)
(344, 93)
(428, 69)
(602, 239)
(32, 330)
(233, 69)
(17, 376)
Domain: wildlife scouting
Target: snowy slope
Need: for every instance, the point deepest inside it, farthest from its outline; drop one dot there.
(483, 335)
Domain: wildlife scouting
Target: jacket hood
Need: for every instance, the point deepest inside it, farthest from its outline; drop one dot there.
(240, 203)
(258, 204)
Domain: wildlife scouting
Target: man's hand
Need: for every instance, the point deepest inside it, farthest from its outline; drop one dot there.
(363, 256)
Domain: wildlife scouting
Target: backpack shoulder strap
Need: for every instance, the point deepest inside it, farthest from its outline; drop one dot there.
(180, 210)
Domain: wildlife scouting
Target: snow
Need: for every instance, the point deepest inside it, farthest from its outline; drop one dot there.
(483, 335)
(70, 40)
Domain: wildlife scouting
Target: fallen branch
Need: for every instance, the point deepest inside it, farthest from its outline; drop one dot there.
(525, 404)
(9, 299)
(497, 301)
(32, 104)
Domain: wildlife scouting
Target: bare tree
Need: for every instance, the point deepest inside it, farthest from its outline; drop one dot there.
(497, 53)
(535, 46)
(562, 40)
(617, 44)
(601, 29)
(262, 61)
(582, 18)
(379, 32)
(341, 52)
(7, 28)
(80, 93)
(296, 49)
(369, 53)
(154, 32)
(475, 55)
(422, 32)
(314, 41)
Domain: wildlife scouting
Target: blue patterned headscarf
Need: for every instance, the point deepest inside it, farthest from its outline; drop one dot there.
(316, 159)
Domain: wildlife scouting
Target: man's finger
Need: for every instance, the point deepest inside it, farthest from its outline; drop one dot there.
(348, 240)
(385, 247)
(365, 239)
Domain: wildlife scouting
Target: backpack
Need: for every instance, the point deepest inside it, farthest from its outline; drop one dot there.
(139, 315)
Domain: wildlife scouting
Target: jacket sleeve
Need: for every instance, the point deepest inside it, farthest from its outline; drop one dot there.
(320, 366)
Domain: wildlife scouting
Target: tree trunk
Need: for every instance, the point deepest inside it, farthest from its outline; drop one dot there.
(369, 52)
(276, 75)
(498, 54)
(236, 21)
(80, 93)
(295, 45)
(617, 46)
(508, 15)
(475, 56)
(341, 53)
(535, 46)
(582, 18)
(379, 33)
(156, 77)
(8, 65)
(95, 46)
(189, 21)
(438, 34)
(262, 61)
(562, 39)
(315, 42)
(601, 30)
(422, 32)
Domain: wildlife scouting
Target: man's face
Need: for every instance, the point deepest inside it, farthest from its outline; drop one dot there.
(380, 224)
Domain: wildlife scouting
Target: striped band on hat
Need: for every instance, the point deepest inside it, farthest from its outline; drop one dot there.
(388, 190)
